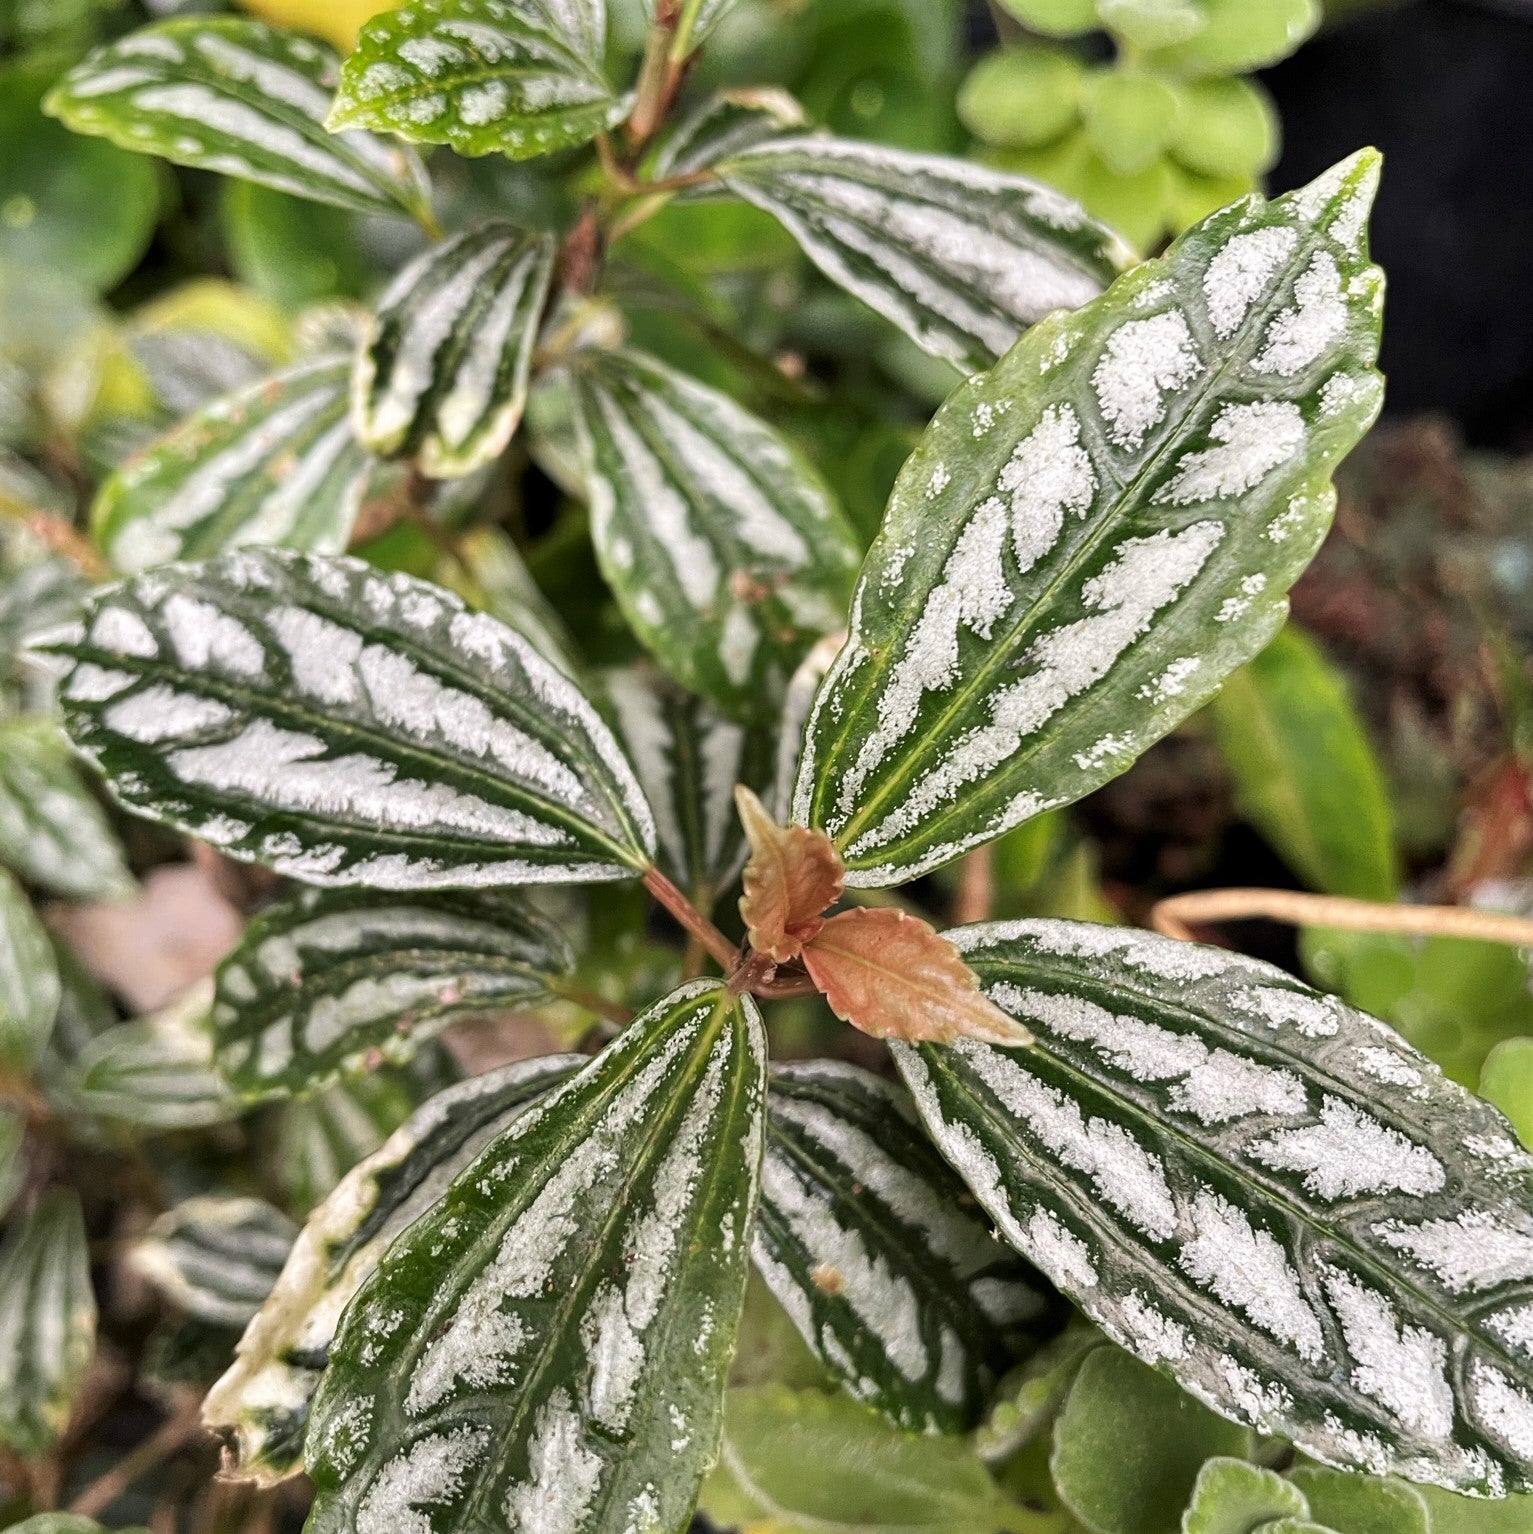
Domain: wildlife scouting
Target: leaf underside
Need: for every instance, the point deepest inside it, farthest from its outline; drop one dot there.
(879, 1255)
(1263, 1192)
(1092, 536)
(326, 984)
(549, 1342)
(235, 96)
(348, 727)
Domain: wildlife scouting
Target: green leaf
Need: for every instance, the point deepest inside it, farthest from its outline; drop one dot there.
(442, 374)
(1226, 128)
(1472, 1515)
(1507, 1081)
(238, 97)
(961, 257)
(347, 727)
(1092, 536)
(722, 545)
(274, 462)
(36, 598)
(1305, 771)
(29, 979)
(326, 984)
(1242, 35)
(64, 1523)
(155, 1073)
(1357, 1504)
(706, 15)
(47, 1323)
(263, 1399)
(549, 1342)
(1055, 18)
(52, 831)
(1129, 1445)
(13, 1138)
(803, 1462)
(215, 1256)
(877, 1252)
(482, 76)
(1149, 24)
(1129, 117)
(1232, 1496)
(1022, 97)
(719, 126)
(1268, 1195)
(689, 757)
(1030, 1397)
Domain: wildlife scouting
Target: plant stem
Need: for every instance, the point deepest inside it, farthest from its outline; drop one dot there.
(593, 1001)
(1175, 917)
(655, 92)
(160, 1445)
(681, 44)
(717, 946)
(976, 887)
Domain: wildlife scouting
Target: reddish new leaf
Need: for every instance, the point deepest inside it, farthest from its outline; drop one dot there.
(793, 874)
(895, 977)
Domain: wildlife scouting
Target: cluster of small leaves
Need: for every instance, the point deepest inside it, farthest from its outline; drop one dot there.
(1157, 138)
(516, 1299)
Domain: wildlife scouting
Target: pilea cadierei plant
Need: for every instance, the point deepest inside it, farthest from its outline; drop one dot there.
(519, 1313)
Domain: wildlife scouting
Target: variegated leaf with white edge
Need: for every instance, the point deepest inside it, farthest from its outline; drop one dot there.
(724, 548)
(328, 983)
(52, 831)
(548, 1345)
(513, 77)
(215, 1256)
(155, 1073)
(879, 1255)
(1263, 1192)
(262, 1402)
(1094, 534)
(689, 757)
(962, 257)
(233, 95)
(442, 375)
(276, 462)
(47, 1322)
(344, 726)
(29, 979)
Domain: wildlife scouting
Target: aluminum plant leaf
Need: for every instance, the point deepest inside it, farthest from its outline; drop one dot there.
(52, 831)
(513, 77)
(879, 1254)
(442, 374)
(689, 757)
(347, 727)
(725, 550)
(1259, 1190)
(47, 1322)
(276, 462)
(963, 258)
(718, 127)
(329, 983)
(1093, 535)
(262, 1401)
(215, 1256)
(29, 979)
(548, 1344)
(247, 100)
(705, 16)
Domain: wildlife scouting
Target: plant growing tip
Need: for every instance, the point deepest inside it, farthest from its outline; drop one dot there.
(792, 876)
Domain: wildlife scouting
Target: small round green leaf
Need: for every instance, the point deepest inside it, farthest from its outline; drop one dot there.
(1507, 1081)
(1242, 35)
(1022, 97)
(1362, 1504)
(1149, 24)
(1055, 18)
(1225, 128)
(1232, 1496)
(1129, 117)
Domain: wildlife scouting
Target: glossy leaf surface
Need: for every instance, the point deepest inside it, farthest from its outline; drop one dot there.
(1094, 534)
(347, 727)
(548, 1343)
(327, 984)
(961, 257)
(235, 96)
(1266, 1194)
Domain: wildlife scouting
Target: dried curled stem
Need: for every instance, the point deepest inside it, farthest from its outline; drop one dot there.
(1177, 916)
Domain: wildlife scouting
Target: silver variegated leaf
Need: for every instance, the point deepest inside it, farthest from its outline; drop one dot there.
(548, 1344)
(13, 1167)
(329, 983)
(262, 1402)
(442, 375)
(52, 831)
(348, 727)
(724, 124)
(689, 757)
(214, 1256)
(155, 1073)
(512, 77)
(963, 258)
(706, 15)
(723, 547)
(276, 462)
(37, 597)
(29, 979)
(47, 1322)
(1093, 535)
(235, 96)
(878, 1254)
(1266, 1194)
